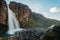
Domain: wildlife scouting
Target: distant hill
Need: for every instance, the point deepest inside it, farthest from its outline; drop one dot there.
(38, 20)
(46, 21)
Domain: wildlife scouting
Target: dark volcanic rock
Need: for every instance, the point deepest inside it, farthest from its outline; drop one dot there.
(3, 17)
(56, 29)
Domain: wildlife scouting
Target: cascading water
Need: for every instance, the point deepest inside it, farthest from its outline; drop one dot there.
(51, 27)
(13, 22)
(46, 30)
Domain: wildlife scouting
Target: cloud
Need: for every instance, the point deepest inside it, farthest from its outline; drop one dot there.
(45, 14)
(54, 9)
(35, 7)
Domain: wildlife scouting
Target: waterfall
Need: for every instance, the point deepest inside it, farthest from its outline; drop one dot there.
(13, 22)
(51, 27)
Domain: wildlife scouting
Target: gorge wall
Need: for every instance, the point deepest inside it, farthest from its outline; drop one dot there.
(3, 17)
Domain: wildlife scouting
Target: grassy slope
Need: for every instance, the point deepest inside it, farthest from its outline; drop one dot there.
(38, 20)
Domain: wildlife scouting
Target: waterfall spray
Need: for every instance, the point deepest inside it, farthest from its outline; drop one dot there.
(13, 22)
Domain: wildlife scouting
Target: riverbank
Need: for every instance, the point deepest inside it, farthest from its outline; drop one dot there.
(29, 34)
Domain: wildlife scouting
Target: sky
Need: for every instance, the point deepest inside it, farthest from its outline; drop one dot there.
(48, 8)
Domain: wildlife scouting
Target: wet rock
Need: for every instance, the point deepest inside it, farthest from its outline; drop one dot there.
(29, 34)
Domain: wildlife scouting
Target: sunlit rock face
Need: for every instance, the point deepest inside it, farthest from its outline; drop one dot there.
(22, 12)
(3, 17)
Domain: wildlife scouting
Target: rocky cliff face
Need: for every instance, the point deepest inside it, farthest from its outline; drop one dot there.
(22, 12)
(3, 16)
(26, 17)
